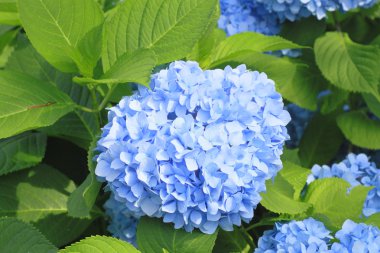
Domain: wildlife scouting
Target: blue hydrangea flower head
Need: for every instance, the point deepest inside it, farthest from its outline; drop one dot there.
(308, 235)
(197, 147)
(123, 222)
(296, 9)
(239, 16)
(357, 238)
(357, 170)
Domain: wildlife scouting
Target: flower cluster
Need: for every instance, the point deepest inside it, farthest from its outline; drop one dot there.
(239, 16)
(354, 237)
(357, 170)
(123, 222)
(296, 236)
(296, 127)
(295, 9)
(312, 236)
(197, 148)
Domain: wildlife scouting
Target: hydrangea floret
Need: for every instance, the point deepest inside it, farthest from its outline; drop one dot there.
(197, 147)
(357, 170)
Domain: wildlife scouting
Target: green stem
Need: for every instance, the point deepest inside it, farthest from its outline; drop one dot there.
(336, 22)
(106, 98)
(259, 224)
(97, 107)
(248, 238)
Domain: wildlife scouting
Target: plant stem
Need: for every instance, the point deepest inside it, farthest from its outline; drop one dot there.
(336, 22)
(259, 224)
(248, 238)
(106, 98)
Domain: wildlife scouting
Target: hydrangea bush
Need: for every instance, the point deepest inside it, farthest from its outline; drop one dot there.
(189, 126)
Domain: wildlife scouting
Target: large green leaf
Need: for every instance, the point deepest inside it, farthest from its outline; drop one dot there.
(320, 141)
(66, 32)
(100, 244)
(19, 237)
(39, 196)
(9, 12)
(134, 68)
(333, 101)
(82, 199)
(78, 127)
(348, 65)
(169, 27)
(333, 204)
(360, 130)
(304, 31)
(26, 103)
(231, 241)
(21, 151)
(372, 103)
(296, 176)
(279, 198)
(295, 81)
(155, 236)
(250, 41)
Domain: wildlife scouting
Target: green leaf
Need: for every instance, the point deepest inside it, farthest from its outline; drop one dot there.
(360, 130)
(169, 27)
(333, 101)
(100, 244)
(332, 203)
(293, 80)
(348, 65)
(39, 196)
(291, 155)
(231, 241)
(19, 237)
(153, 236)
(201, 51)
(304, 31)
(250, 41)
(372, 103)
(320, 141)
(296, 176)
(129, 68)
(82, 199)
(21, 151)
(279, 198)
(67, 33)
(26, 103)
(78, 127)
(373, 220)
(9, 12)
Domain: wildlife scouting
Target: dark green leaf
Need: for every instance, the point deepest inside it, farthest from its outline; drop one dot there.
(231, 241)
(155, 236)
(21, 151)
(360, 130)
(26, 103)
(321, 140)
(19, 237)
(39, 196)
(82, 200)
(333, 101)
(372, 103)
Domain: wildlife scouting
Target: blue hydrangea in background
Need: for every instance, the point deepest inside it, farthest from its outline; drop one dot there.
(197, 148)
(296, 9)
(296, 127)
(239, 16)
(357, 238)
(308, 235)
(123, 222)
(355, 169)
